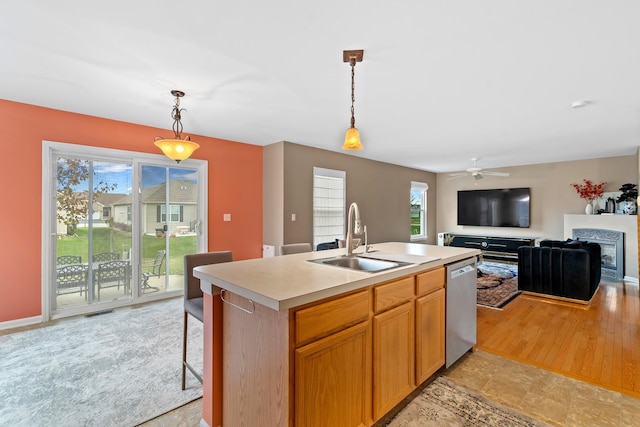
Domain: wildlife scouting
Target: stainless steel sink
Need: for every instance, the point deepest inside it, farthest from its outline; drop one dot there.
(360, 264)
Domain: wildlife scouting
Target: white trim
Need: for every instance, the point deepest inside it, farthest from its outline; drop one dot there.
(631, 280)
(18, 323)
(422, 187)
(203, 423)
(415, 185)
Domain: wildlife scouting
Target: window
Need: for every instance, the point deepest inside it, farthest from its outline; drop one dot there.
(328, 205)
(175, 213)
(418, 200)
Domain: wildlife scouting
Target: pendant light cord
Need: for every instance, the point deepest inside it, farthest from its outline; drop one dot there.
(353, 87)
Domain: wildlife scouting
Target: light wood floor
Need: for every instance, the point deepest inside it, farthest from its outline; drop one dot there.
(598, 344)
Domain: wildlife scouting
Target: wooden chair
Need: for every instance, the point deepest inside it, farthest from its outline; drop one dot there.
(193, 299)
(295, 248)
(152, 269)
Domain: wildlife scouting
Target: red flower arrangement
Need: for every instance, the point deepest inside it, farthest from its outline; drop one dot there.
(589, 190)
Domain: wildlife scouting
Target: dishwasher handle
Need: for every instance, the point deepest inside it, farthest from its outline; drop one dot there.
(460, 271)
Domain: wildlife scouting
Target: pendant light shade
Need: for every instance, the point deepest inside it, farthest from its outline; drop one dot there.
(176, 148)
(352, 138)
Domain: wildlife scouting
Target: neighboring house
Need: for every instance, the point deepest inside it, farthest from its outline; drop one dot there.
(102, 211)
(182, 207)
(103, 205)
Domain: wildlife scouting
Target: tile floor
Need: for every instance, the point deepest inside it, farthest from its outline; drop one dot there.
(546, 396)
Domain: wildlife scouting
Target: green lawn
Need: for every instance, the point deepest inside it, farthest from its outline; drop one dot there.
(415, 224)
(113, 240)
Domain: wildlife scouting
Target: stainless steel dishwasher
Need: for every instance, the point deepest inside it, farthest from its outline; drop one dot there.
(461, 309)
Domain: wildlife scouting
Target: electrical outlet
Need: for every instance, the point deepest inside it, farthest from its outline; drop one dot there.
(293, 217)
(226, 217)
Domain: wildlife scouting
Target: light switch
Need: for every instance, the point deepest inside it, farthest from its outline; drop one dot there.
(293, 217)
(227, 217)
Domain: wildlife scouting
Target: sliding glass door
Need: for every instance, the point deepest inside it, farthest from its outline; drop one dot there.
(118, 229)
(169, 225)
(93, 247)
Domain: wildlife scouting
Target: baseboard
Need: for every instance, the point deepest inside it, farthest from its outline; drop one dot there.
(559, 300)
(631, 280)
(203, 423)
(18, 323)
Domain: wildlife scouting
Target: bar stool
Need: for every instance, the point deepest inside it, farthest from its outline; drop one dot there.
(295, 248)
(193, 299)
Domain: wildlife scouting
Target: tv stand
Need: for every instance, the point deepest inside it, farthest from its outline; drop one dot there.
(493, 247)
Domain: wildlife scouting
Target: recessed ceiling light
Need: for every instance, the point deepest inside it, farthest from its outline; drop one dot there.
(580, 104)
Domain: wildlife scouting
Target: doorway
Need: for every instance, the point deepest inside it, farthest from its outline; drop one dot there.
(119, 226)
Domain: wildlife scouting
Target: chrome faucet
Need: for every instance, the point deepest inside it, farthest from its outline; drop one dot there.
(353, 208)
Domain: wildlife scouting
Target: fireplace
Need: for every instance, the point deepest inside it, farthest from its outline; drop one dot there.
(612, 249)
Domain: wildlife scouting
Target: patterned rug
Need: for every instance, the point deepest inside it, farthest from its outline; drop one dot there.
(446, 404)
(497, 284)
(116, 369)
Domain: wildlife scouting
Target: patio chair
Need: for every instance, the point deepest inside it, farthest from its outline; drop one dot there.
(71, 278)
(111, 274)
(68, 259)
(152, 269)
(193, 300)
(105, 256)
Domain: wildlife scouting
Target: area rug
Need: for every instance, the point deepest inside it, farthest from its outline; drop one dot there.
(443, 403)
(115, 369)
(497, 284)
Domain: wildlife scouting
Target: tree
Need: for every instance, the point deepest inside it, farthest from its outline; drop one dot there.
(73, 206)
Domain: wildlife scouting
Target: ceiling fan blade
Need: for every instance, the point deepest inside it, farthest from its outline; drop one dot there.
(456, 176)
(495, 173)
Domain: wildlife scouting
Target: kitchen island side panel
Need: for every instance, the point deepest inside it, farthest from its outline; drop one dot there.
(256, 370)
(212, 361)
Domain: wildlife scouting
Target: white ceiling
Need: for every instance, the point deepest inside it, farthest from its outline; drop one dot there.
(441, 81)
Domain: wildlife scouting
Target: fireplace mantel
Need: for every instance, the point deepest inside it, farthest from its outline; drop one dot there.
(625, 223)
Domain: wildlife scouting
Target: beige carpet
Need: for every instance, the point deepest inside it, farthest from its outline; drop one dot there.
(445, 404)
(114, 369)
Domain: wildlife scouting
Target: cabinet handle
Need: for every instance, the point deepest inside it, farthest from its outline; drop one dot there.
(253, 306)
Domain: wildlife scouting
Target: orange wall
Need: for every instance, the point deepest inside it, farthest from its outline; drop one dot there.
(235, 187)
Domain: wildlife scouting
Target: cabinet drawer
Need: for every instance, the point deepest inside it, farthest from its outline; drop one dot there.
(329, 317)
(430, 281)
(392, 294)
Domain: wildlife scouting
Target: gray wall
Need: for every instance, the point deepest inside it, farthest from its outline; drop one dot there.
(381, 191)
(551, 193)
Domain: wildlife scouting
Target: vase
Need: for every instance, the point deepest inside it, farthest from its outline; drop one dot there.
(588, 209)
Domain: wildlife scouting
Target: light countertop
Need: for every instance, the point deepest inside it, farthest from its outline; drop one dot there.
(284, 282)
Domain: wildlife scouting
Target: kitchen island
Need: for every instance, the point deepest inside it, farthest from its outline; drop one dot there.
(288, 342)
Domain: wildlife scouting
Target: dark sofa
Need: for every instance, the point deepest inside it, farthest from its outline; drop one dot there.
(568, 269)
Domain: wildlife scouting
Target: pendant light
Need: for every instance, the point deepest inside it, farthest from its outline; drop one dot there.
(176, 149)
(352, 139)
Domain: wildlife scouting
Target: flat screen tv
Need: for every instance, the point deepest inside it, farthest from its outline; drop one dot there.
(503, 207)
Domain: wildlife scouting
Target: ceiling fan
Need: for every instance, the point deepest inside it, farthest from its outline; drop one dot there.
(476, 172)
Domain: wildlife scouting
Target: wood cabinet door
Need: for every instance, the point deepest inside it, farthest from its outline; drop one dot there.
(332, 385)
(393, 357)
(430, 317)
